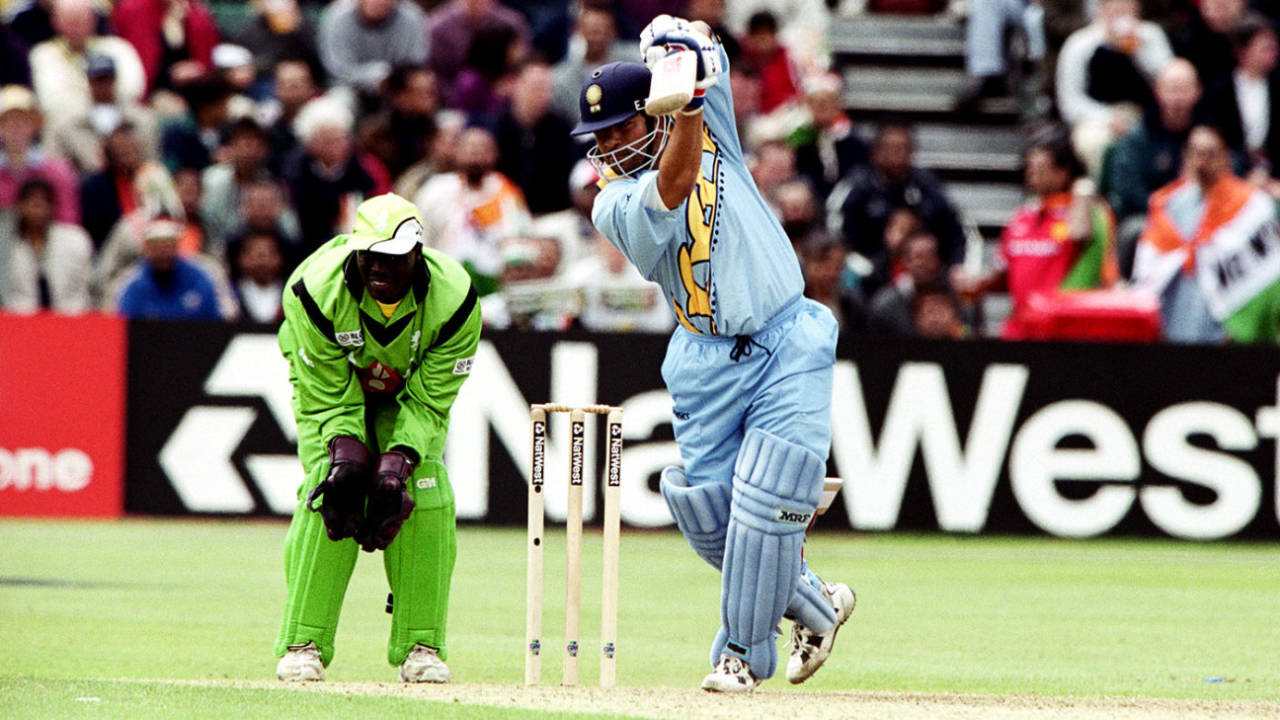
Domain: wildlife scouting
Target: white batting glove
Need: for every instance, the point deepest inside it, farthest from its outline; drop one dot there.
(666, 34)
(659, 25)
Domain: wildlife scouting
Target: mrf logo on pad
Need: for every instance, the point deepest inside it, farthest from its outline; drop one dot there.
(791, 517)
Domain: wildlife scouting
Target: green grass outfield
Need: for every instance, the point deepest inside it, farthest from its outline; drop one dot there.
(92, 612)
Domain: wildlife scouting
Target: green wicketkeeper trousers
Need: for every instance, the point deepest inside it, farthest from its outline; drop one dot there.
(418, 563)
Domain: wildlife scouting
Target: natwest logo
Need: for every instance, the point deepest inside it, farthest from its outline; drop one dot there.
(37, 469)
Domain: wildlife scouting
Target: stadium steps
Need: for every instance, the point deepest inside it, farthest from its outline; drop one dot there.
(911, 68)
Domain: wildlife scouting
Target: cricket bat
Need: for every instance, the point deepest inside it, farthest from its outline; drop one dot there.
(672, 85)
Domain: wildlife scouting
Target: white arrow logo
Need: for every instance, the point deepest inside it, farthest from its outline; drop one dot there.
(197, 459)
(197, 456)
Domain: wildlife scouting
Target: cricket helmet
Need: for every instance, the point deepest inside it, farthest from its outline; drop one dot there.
(610, 95)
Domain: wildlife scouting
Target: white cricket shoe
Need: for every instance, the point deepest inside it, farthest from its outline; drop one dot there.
(424, 665)
(301, 662)
(809, 649)
(732, 674)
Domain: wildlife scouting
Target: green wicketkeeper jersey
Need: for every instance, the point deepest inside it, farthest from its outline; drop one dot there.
(340, 346)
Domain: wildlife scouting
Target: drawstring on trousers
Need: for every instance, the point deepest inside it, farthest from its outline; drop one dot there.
(742, 347)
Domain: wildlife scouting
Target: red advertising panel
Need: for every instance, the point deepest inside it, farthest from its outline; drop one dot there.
(62, 415)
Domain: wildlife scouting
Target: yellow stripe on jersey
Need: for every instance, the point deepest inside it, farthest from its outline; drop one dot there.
(696, 251)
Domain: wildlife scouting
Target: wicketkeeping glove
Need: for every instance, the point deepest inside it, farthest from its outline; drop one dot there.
(389, 501)
(344, 489)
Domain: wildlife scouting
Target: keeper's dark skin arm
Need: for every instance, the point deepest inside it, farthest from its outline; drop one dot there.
(681, 161)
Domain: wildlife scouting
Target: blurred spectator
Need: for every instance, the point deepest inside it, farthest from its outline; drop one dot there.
(191, 141)
(279, 31)
(44, 264)
(327, 176)
(859, 207)
(892, 307)
(234, 64)
(772, 164)
(469, 212)
(294, 87)
(713, 13)
(259, 272)
(127, 182)
(361, 40)
(14, 69)
(1062, 238)
(1267, 8)
(21, 158)
(1061, 19)
(594, 43)
(440, 144)
(174, 38)
(937, 316)
(1205, 41)
(79, 136)
(902, 222)
(572, 227)
(797, 210)
(526, 259)
(32, 22)
(549, 26)
(804, 25)
(58, 66)
(163, 285)
(1241, 105)
(768, 58)
(827, 148)
(633, 15)
(454, 24)
(534, 147)
(481, 87)
(1207, 251)
(124, 245)
(985, 60)
(1151, 154)
(823, 263)
(398, 135)
(746, 99)
(245, 161)
(1105, 72)
(193, 240)
(263, 210)
(615, 297)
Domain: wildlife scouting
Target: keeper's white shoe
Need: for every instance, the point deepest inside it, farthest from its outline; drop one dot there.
(732, 674)
(809, 649)
(301, 662)
(424, 665)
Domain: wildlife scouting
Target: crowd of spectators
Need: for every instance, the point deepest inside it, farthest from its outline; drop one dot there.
(1167, 105)
(157, 164)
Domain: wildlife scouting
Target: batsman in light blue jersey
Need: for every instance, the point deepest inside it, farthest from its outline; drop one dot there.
(749, 365)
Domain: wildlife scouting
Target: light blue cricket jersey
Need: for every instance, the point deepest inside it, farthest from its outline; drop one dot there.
(721, 257)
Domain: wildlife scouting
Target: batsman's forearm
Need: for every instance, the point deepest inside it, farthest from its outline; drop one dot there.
(681, 161)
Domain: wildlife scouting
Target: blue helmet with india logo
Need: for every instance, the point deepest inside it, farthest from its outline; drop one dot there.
(613, 94)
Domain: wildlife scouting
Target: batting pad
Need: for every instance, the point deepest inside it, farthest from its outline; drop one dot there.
(701, 513)
(776, 488)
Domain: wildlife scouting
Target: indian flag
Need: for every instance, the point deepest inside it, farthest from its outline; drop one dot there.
(1235, 258)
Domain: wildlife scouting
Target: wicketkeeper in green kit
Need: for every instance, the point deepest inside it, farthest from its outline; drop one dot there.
(380, 333)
